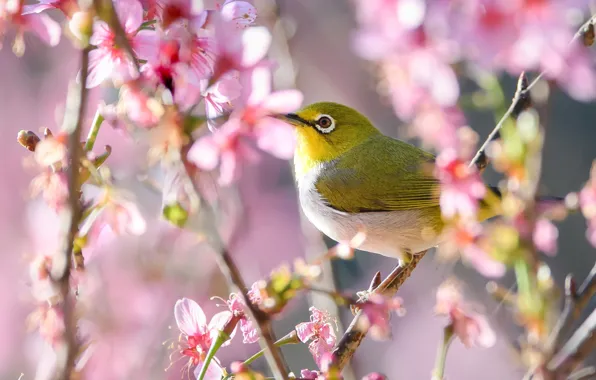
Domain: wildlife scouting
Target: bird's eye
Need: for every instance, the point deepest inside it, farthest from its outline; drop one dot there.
(325, 123)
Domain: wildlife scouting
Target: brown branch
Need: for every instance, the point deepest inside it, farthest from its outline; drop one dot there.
(521, 101)
(234, 279)
(76, 104)
(582, 341)
(577, 348)
(350, 341)
(267, 337)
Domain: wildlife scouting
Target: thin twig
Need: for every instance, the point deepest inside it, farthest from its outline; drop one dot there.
(520, 102)
(234, 279)
(518, 98)
(76, 104)
(579, 345)
(267, 337)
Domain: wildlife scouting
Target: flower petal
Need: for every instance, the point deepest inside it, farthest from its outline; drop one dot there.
(305, 331)
(240, 12)
(276, 137)
(218, 323)
(214, 372)
(48, 30)
(130, 14)
(204, 153)
(255, 42)
(285, 101)
(190, 318)
(101, 66)
(145, 45)
(36, 8)
(101, 33)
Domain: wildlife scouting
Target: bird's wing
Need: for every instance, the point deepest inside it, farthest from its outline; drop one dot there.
(382, 174)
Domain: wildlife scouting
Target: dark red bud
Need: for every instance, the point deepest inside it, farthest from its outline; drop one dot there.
(28, 140)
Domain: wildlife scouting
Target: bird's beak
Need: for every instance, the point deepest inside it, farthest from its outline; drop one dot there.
(293, 119)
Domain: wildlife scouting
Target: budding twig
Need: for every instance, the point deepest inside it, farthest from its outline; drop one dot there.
(76, 104)
(521, 101)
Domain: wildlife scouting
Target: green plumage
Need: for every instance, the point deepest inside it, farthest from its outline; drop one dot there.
(391, 171)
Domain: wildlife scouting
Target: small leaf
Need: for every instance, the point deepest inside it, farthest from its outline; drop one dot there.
(175, 214)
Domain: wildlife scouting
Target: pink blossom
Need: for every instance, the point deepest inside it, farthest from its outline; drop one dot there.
(308, 374)
(53, 186)
(319, 332)
(51, 151)
(466, 238)
(197, 52)
(199, 335)
(114, 213)
(227, 146)
(142, 110)
(110, 60)
(258, 103)
(68, 7)
(218, 98)
(43, 287)
(238, 49)
(374, 376)
(470, 327)
(545, 236)
(50, 322)
(436, 126)
(48, 30)
(237, 308)
(250, 120)
(461, 186)
(242, 13)
(171, 11)
(376, 312)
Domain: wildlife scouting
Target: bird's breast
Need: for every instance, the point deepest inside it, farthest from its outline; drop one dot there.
(389, 233)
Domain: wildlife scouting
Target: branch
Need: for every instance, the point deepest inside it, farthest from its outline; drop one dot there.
(76, 104)
(350, 341)
(582, 341)
(267, 337)
(234, 279)
(521, 101)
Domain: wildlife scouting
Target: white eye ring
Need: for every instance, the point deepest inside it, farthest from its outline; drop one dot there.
(329, 123)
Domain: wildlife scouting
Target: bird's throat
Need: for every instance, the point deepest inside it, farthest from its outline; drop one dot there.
(311, 153)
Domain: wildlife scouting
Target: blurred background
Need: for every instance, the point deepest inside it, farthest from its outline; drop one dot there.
(312, 43)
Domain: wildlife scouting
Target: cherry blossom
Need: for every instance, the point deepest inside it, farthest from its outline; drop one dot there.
(319, 332)
(376, 312)
(110, 60)
(199, 335)
(461, 186)
(470, 327)
(467, 240)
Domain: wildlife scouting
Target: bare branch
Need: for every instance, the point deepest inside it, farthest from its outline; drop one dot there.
(76, 104)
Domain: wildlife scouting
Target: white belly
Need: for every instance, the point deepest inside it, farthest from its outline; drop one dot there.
(390, 233)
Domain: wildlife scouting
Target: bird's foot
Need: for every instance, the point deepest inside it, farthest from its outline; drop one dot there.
(364, 295)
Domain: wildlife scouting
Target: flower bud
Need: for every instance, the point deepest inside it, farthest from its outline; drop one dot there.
(28, 140)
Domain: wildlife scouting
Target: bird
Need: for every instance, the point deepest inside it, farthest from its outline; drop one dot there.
(351, 178)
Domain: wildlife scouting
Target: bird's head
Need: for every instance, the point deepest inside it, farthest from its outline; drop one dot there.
(325, 131)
